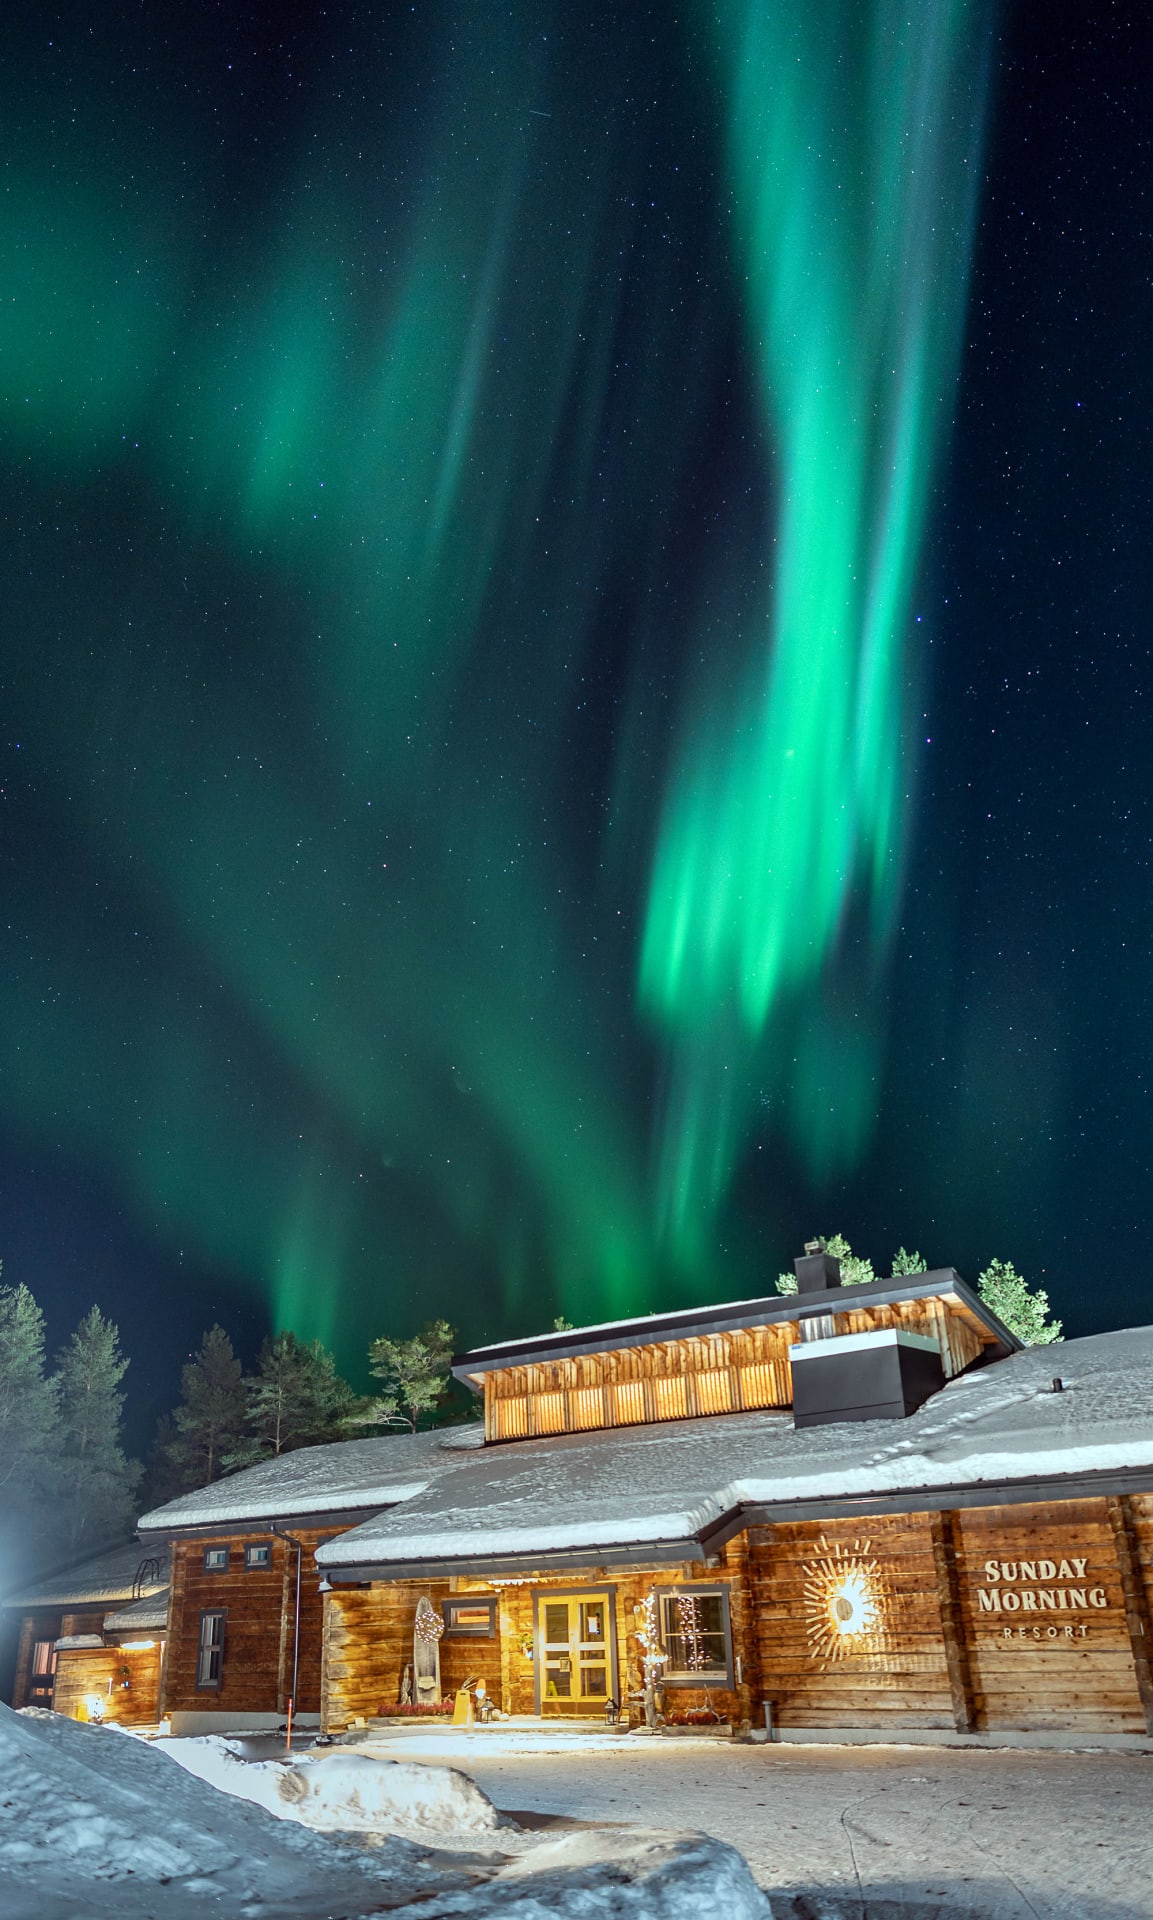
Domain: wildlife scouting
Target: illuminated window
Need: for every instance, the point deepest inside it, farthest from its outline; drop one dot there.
(216, 1559)
(210, 1650)
(469, 1615)
(43, 1677)
(695, 1631)
(258, 1554)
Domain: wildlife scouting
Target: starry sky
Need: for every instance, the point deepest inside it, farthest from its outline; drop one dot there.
(576, 657)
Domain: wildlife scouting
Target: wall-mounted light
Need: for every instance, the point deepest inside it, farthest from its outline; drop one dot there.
(845, 1602)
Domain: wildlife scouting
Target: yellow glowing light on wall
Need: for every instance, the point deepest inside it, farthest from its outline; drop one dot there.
(845, 1602)
(852, 1606)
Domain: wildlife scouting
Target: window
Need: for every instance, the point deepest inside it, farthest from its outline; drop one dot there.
(43, 1672)
(210, 1652)
(216, 1559)
(259, 1555)
(695, 1630)
(471, 1616)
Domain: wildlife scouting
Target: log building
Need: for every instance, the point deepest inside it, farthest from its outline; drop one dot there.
(862, 1512)
(90, 1640)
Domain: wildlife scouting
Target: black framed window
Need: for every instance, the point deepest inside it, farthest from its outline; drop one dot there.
(210, 1650)
(697, 1636)
(470, 1615)
(258, 1554)
(216, 1559)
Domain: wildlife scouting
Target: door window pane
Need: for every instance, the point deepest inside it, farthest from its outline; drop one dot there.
(593, 1620)
(556, 1624)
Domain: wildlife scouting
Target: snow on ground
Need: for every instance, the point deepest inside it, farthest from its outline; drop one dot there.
(854, 1833)
(96, 1824)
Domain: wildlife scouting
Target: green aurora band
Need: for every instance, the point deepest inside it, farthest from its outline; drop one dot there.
(331, 465)
(853, 141)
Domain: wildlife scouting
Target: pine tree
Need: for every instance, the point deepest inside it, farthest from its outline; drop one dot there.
(209, 1422)
(415, 1374)
(904, 1262)
(1023, 1309)
(295, 1399)
(163, 1479)
(28, 1437)
(99, 1482)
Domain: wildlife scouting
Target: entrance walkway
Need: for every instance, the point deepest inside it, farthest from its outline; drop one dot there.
(842, 1833)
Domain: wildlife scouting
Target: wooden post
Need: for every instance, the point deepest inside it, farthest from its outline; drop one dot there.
(1137, 1617)
(942, 1527)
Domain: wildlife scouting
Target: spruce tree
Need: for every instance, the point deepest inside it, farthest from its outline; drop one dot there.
(28, 1435)
(99, 1482)
(1023, 1309)
(906, 1263)
(209, 1422)
(415, 1374)
(295, 1399)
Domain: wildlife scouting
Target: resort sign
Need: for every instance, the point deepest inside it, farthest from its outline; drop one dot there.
(1040, 1587)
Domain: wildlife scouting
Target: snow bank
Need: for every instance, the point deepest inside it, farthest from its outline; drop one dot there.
(96, 1824)
(344, 1792)
(626, 1875)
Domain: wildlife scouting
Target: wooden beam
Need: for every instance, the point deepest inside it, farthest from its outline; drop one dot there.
(1137, 1617)
(943, 1536)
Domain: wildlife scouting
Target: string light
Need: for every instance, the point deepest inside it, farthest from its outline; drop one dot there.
(428, 1624)
(692, 1633)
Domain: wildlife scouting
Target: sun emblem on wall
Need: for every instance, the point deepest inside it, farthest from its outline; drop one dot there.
(845, 1602)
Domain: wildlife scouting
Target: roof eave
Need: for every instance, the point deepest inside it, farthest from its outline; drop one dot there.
(232, 1525)
(772, 1309)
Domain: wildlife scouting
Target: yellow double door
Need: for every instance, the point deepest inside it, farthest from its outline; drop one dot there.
(575, 1653)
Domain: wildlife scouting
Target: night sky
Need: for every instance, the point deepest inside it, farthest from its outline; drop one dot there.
(577, 657)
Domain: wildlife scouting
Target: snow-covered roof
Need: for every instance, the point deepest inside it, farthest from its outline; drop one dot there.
(348, 1477)
(106, 1576)
(150, 1613)
(629, 1487)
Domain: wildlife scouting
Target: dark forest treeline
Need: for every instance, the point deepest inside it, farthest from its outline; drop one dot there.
(67, 1486)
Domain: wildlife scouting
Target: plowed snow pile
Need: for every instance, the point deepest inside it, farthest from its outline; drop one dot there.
(95, 1823)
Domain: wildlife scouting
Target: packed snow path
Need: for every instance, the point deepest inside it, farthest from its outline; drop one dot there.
(850, 1833)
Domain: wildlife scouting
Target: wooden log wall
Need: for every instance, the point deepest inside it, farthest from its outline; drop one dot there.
(732, 1372)
(256, 1672)
(1000, 1619)
(83, 1673)
(368, 1643)
(44, 1625)
(368, 1640)
(894, 1676)
(1049, 1637)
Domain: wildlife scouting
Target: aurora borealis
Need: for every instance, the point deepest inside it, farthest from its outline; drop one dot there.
(787, 807)
(574, 655)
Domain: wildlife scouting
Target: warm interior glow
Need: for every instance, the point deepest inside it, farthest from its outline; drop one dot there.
(852, 1607)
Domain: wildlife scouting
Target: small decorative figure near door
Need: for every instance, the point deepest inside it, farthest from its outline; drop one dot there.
(427, 1629)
